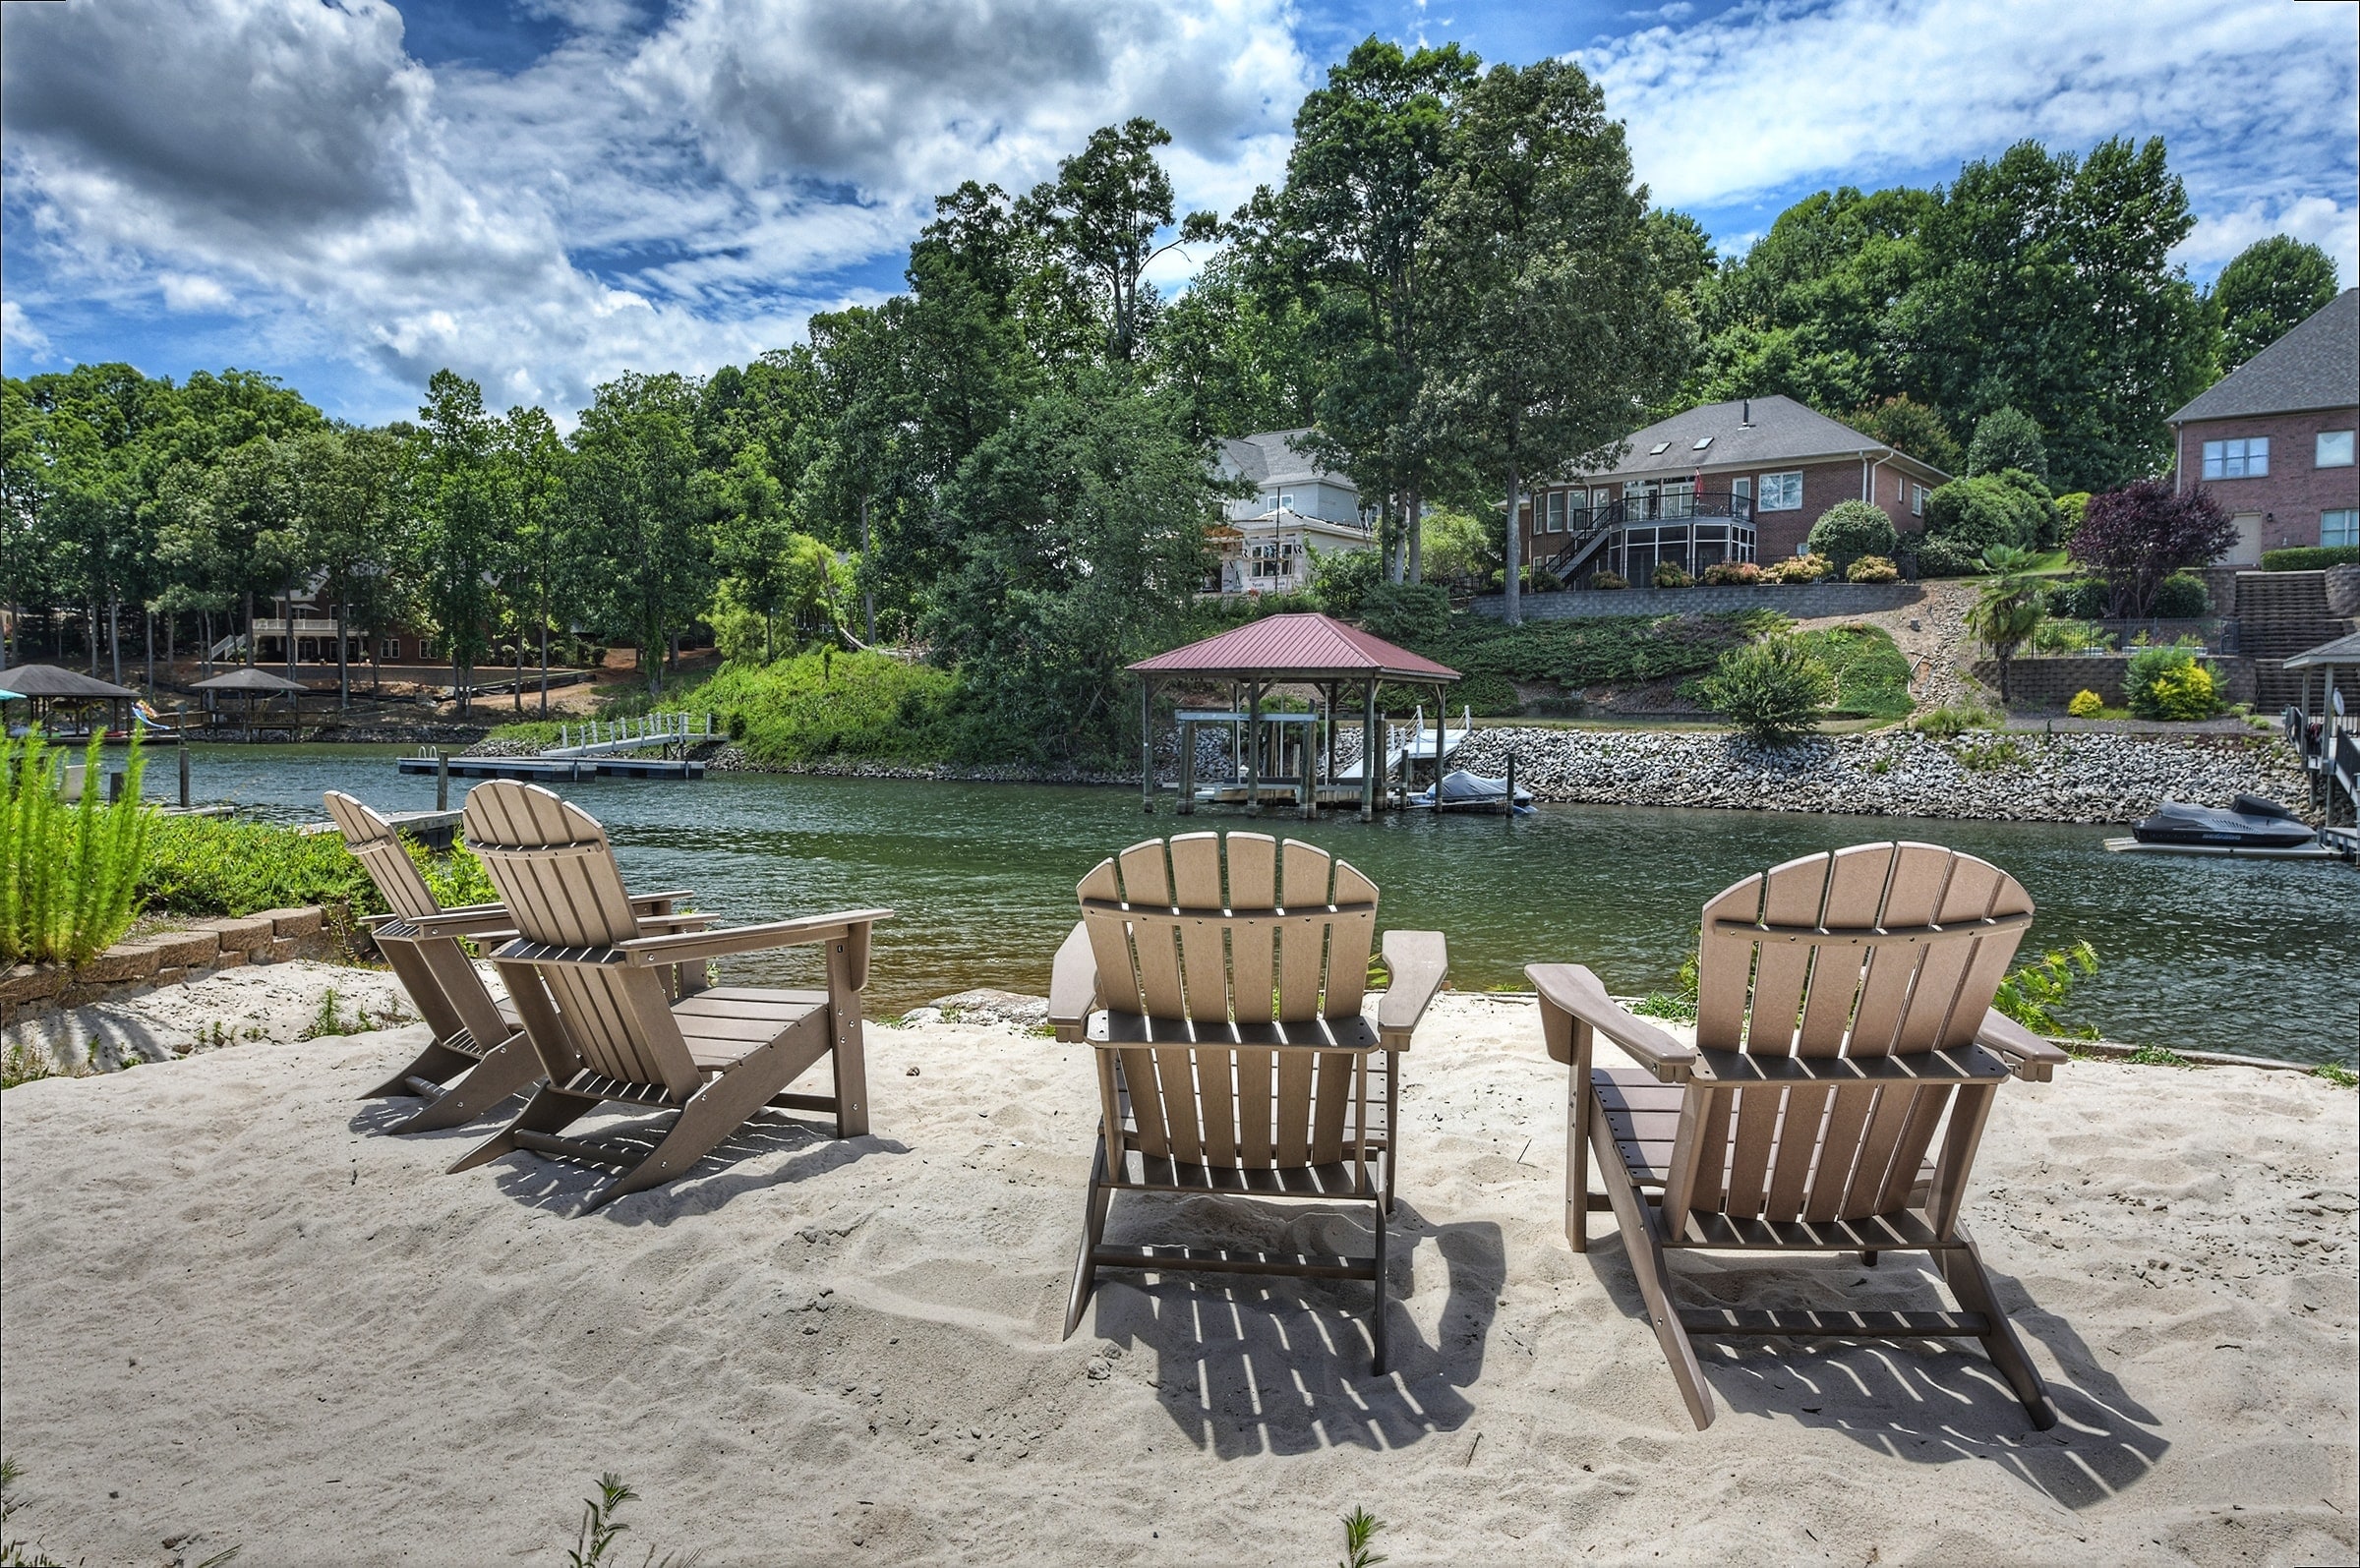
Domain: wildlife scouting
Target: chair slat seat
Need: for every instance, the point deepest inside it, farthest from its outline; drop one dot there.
(1833, 1102)
(1225, 980)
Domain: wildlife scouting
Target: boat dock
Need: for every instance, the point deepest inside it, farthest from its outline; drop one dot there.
(553, 769)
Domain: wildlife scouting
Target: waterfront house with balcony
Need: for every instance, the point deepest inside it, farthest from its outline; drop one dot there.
(2273, 441)
(1263, 545)
(1737, 481)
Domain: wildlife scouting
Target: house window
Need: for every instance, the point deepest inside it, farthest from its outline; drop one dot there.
(389, 648)
(1286, 500)
(1274, 559)
(1557, 511)
(2248, 458)
(1783, 493)
(2334, 449)
(2339, 527)
(1917, 500)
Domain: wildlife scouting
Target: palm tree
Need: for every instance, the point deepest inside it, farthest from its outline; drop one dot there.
(2012, 605)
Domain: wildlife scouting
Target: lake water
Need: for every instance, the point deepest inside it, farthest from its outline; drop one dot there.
(2199, 954)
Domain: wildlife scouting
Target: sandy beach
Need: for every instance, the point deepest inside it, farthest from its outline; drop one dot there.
(237, 1314)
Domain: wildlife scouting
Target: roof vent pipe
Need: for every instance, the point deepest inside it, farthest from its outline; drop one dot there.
(1745, 418)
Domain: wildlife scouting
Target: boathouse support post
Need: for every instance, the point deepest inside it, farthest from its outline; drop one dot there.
(1253, 748)
(1372, 751)
(1146, 746)
(180, 730)
(1310, 774)
(442, 780)
(1511, 786)
(1187, 805)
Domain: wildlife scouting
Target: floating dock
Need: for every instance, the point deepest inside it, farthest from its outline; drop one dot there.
(555, 770)
(2302, 851)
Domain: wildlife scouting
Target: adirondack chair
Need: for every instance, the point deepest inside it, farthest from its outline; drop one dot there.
(590, 992)
(1843, 1008)
(1233, 1055)
(478, 1041)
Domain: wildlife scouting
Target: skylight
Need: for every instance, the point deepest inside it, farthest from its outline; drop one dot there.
(1659, 448)
(1703, 444)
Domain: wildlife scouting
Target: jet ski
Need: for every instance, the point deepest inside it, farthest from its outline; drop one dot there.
(1471, 792)
(2248, 823)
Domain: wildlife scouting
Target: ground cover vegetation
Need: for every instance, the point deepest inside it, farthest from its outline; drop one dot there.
(999, 476)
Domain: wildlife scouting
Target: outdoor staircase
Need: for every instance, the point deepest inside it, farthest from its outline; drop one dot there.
(1577, 551)
(2281, 615)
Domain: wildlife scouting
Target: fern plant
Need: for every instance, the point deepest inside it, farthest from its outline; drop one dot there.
(2031, 995)
(68, 875)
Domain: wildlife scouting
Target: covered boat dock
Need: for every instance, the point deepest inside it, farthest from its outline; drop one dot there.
(1302, 650)
(2328, 740)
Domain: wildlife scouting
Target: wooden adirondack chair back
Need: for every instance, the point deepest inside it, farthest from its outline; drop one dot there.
(556, 874)
(1878, 950)
(372, 843)
(1264, 935)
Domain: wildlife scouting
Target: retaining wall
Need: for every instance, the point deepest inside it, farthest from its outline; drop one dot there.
(2050, 682)
(169, 957)
(1801, 600)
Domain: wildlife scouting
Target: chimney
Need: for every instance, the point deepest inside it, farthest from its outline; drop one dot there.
(1745, 418)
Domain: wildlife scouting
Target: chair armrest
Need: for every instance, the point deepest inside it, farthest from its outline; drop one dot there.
(1073, 985)
(640, 899)
(2028, 1056)
(1419, 961)
(1571, 989)
(686, 946)
(475, 920)
(656, 924)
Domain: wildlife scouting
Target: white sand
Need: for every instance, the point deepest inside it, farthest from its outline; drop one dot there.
(235, 1313)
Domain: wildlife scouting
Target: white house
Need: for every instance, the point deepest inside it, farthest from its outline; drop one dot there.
(1261, 548)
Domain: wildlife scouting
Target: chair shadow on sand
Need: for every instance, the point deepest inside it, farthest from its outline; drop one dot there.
(1927, 1401)
(562, 1184)
(1249, 1364)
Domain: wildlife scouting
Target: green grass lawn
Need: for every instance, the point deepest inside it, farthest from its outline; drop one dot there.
(1872, 676)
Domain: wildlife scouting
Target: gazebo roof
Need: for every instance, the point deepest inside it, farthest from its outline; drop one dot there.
(250, 680)
(1295, 646)
(47, 681)
(2343, 651)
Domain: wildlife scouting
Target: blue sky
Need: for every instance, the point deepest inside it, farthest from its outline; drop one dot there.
(544, 192)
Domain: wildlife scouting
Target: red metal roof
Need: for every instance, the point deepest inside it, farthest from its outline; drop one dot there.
(1297, 647)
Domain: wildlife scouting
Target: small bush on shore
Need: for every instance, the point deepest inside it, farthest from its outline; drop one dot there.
(2180, 597)
(1609, 580)
(2170, 683)
(2086, 705)
(1945, 724)
(220, 866)
(1671, 574)
(1732, 574)
(1872, 569)
(1774, 690)
(1806, 568)
(68, 875)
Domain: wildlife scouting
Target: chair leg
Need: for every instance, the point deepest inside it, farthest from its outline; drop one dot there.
(1377, 1320)
(1643, 1241)
(510, 1065)
(711, 1115)
(550, 1110)
(1093, 1230)
(437, 1063)
(1963, 1269)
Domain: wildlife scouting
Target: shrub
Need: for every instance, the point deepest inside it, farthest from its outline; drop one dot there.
(2065, 636)
(1491, 696)
(68, 874)
(2070, 508)
(2180, 597)
(2079, 597)
(737, 727)
(2086, 705)
(1945, 723)
(1808, 569)
(1850, 530)
(1940, 558)
(2139, 534)
(2036, 506)
(2008, 438)
(1732, 574)
(1871, 674)
(1406, 611)
(2310, 558)
(1341, 579)
(1873, 569)
(1975, 514)
(1608, 580)
(2170, 683)
(1774, 690)
(1669, 574)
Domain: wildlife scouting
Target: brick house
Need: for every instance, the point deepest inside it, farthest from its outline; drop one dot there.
(1736, 481)
(2273, 441)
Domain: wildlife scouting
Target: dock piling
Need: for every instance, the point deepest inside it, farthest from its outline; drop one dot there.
(441, 781)
(1187, 806)
(183, 749)
(1511, 786)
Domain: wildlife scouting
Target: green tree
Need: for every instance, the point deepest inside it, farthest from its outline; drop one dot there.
(528, 461)
(1355, 222)
(1906, 425)
(753, 537)
(1547, 264)
(1105, 211)
(2267, 290)
(462, 543)
(637, 533)
(2007, 437)
(348, 485)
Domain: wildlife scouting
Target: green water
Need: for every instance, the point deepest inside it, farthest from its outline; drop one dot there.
(2199, 954)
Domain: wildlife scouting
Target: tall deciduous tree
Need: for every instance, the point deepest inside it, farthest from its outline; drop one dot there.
(637, 529)
(461, 541)
(2267, 290)
(1372, 151)
(529, 462)
(1561, 328)
(1109, 205)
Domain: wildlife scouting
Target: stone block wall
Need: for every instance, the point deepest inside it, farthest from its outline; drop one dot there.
(2048, 684)
(1798, 601)
(167, 957)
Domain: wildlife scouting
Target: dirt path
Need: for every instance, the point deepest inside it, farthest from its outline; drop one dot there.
(1932, 635)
